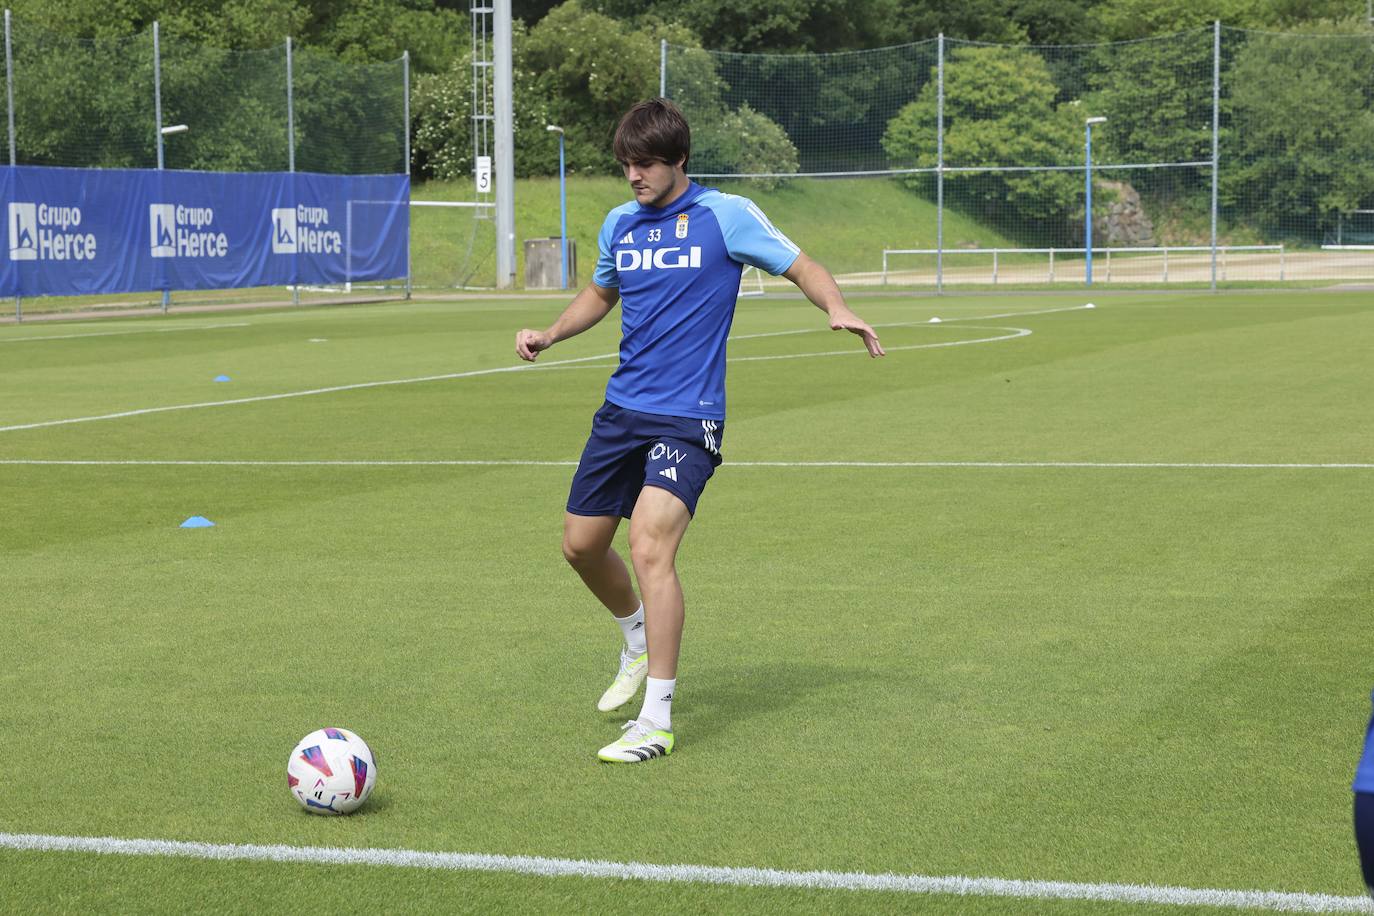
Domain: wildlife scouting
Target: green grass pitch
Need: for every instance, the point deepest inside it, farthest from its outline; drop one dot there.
(1140, 675)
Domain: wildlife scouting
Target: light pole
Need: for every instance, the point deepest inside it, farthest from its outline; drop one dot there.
(1088, 188)
(562, 205)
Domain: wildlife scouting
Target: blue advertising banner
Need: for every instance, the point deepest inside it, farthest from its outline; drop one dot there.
(75, 232)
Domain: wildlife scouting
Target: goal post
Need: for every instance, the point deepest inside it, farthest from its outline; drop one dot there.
(453, 244)
(1354, 230)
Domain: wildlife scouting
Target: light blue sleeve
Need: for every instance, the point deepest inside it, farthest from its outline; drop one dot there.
(749, 236)
(606, 276)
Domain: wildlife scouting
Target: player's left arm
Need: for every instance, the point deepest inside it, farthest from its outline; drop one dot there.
(820, 287)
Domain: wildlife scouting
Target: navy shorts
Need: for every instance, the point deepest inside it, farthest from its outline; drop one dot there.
(1364, 836)
(629, 450)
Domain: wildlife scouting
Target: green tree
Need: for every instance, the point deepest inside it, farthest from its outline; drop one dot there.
(231, 24)
(1157, 97)
(83, 102)
(1000, 110)
(373, 31)
(771, 25)
(1301, 128)
(576, 70)
(441, 114)
(746, 142)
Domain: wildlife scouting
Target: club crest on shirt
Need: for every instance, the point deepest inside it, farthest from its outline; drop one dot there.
(681, 226)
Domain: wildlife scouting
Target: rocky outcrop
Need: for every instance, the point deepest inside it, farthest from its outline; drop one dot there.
(1125, 223)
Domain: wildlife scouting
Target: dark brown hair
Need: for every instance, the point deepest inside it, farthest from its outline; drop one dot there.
(653, 129)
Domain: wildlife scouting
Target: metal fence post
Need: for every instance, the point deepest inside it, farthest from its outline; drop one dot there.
(157, 90)
(290, 111)
(157, 107)
(291, 162)
(405, 77)
(940, 166)
(9, 82)
(663, 68)
(9, 95)
(1216, 128)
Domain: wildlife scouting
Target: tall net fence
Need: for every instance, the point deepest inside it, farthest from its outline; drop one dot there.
(93, 104)
(350, 118)
(82, 103)
(1211, 156)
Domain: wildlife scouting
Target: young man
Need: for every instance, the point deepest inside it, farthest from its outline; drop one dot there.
(673, 257)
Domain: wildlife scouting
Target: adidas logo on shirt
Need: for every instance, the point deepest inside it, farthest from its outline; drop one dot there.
(670, 473)
(629, 239)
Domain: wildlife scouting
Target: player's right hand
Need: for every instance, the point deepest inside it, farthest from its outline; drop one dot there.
(528, 344)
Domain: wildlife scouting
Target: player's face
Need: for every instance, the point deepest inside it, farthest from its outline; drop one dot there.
(655, 183)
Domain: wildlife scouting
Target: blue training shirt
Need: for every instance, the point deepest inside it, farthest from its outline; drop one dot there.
(678, 269)
(1364, 772)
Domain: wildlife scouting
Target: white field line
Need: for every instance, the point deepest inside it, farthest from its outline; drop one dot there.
(909, 324)
(199, 327)
(1273, 901)
(850, 351)
(1071, 308)
(297, 394)
(1016, 332)
(1019, 332)
(520, 462)
(560, 364)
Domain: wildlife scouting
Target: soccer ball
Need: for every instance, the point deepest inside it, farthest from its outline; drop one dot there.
(331, 772)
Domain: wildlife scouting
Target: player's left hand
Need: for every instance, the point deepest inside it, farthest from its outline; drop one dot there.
(845, 320)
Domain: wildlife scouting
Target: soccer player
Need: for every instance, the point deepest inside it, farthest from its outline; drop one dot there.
(672, 257)
(1364, 808)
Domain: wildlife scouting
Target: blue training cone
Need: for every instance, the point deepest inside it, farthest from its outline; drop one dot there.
(197, 521)
(221, 378)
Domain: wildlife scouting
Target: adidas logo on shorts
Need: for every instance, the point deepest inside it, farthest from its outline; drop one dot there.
(670, 473)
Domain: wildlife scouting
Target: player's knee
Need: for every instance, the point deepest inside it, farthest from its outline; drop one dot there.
(650, 552)
(583, 548)
(579, 553)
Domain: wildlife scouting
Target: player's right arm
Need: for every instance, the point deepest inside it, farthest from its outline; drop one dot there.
(590, 305)
(587, 308)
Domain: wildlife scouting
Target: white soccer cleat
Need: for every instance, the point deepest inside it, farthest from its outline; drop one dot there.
(640, 742)
(633, 670)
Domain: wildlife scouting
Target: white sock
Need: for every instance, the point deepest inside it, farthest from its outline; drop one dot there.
(658, 702)
(633, 628)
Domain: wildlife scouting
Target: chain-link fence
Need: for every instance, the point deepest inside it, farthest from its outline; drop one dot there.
(102, 104)
(1210, 156)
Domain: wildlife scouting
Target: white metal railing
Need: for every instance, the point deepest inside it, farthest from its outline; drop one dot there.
(1163, 250)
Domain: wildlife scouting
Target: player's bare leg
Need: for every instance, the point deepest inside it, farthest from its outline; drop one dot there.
(656, 528)
(587, 548)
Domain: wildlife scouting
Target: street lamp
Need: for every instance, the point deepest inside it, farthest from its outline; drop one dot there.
(562, 204)
(1088, 182)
